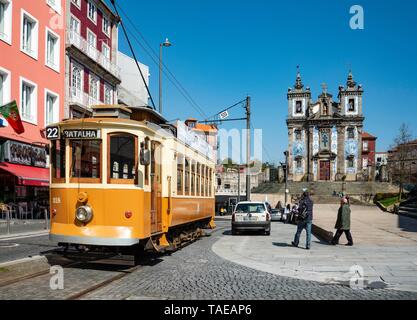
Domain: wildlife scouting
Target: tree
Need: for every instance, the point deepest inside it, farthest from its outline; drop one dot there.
(399, 155)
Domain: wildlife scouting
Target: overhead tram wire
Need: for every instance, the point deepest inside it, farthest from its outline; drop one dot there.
(227, 109)
(154, 56)
(156, 60)
(199, 110)
(133, 53)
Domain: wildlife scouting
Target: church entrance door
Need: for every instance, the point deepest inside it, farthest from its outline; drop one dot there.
(325, 170)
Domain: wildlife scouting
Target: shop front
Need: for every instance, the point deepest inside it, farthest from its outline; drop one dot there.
(24, 178)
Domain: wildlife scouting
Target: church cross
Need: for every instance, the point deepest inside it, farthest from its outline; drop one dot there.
(324, 87)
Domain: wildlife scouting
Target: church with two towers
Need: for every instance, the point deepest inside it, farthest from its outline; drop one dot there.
(325, 135)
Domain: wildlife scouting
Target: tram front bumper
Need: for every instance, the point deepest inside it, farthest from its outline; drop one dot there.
(94, 235)
(93, 241)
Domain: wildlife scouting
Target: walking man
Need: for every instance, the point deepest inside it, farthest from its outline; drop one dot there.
(305, 219)
(343, 223)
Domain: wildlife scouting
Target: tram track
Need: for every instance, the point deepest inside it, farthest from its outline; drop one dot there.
(86, 292)
(121, 275)
(34, 275)
(146, 260)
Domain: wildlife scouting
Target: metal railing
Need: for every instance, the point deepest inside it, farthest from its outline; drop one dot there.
(14, 214)
(75, 39)
(82, 98)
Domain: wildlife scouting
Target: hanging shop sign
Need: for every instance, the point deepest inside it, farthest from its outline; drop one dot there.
(21, 153)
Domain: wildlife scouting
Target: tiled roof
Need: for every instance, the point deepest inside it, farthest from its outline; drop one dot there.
(205, 127)
(368, 136)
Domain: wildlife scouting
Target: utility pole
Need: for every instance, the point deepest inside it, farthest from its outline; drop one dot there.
(248, 149)
(238, 183)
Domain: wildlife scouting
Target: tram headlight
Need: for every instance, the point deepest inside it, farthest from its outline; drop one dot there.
(84, 214)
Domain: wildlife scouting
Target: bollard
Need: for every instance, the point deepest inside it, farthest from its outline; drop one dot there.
(46, 219)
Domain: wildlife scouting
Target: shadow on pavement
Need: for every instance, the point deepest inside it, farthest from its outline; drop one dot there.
(244, 233)
(322, 242)
(282, 245)
(100, 261)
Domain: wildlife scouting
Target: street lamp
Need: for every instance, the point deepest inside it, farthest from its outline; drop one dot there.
(165, 44)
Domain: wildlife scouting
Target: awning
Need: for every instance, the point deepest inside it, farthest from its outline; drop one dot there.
(26, 175)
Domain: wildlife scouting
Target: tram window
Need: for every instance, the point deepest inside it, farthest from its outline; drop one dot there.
(86, 160)
(146, 146)
(58, 160)
(198, 184)
(203, 181)
(206, 181)
(193, 193)
(210, 182)
(122, 158)
(187, 177)
(180, 172)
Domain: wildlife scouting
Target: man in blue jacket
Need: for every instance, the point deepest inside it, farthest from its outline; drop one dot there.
(305, 219)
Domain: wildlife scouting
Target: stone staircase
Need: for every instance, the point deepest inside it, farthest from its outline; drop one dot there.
(409, 208)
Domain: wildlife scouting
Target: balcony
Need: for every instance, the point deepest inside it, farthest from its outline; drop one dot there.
(83, 99)
(76, 40)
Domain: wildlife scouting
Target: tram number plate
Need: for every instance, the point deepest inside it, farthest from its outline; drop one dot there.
(52, 133)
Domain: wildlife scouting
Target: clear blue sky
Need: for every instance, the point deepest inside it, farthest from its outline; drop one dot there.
(226, 49)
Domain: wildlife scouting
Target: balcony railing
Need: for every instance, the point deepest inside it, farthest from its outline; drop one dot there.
(82, 98)
(75, 39)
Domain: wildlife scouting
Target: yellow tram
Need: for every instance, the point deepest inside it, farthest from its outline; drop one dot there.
(126, 179)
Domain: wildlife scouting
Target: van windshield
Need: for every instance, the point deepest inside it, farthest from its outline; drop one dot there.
(250, 208)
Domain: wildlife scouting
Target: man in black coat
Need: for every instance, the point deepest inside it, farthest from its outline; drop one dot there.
(306, 221)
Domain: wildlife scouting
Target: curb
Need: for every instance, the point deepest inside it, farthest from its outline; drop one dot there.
(22, 261)
(24, 235)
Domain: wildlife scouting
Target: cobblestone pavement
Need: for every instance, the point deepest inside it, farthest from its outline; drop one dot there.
(194, 272)
(382, 265)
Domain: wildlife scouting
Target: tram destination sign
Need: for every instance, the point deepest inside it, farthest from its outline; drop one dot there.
(85, 134)
(54, 133)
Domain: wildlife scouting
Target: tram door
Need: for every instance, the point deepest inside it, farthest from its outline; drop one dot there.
(156, 185)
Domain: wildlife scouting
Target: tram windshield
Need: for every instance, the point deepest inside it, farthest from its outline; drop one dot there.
(123, 159)
(58, 160)
(85, 159)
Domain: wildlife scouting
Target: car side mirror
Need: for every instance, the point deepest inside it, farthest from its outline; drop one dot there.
(145, 157)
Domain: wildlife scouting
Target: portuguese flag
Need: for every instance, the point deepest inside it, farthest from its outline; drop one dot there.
(11, 113)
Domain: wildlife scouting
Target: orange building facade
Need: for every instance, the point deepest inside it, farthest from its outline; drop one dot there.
(32, 72)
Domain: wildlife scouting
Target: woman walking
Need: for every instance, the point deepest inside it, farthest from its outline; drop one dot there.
(287, 214)
(343, 223)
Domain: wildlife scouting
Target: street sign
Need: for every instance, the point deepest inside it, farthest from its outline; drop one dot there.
(224, 115)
